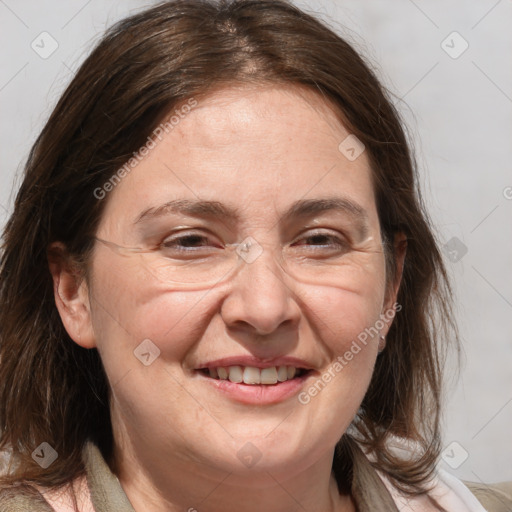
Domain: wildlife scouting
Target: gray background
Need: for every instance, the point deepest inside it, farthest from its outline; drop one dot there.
(459, 113)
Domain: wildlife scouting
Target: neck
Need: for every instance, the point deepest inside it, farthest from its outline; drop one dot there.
(172, 483)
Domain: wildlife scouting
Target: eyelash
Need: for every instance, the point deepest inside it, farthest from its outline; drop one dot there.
(166, 244)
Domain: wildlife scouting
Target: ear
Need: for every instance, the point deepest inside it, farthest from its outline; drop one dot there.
(400, 249)
(71, 296)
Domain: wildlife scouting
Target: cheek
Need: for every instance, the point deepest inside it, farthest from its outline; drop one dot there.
(343, 313)
(128, 308)
(346, 325)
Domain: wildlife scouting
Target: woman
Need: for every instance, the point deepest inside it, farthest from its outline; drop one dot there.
(218, 283)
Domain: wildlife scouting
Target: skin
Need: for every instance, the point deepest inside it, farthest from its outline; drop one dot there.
(176, 437)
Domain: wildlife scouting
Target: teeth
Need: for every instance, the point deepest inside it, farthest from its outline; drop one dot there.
(251, 375)
(282, 374)
(236, 374)
(269, 375)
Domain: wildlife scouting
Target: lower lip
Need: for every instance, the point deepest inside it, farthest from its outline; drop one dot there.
(260, 394)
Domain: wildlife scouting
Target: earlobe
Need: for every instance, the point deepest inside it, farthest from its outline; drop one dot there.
(71, 296)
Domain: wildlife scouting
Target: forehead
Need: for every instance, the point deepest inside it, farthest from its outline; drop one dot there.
(255, 149)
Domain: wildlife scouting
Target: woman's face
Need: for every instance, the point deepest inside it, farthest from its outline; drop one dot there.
(257, 151)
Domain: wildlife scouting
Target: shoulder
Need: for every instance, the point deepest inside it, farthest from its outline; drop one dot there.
(76, 496)
(23, 498)
(494, 497)
(450, 492)
(454, 494)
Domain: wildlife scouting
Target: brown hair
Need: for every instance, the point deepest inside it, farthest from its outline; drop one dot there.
(53, 390)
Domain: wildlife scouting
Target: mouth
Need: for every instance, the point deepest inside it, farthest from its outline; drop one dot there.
(253, 376)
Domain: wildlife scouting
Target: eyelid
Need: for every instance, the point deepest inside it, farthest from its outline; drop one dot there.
(185, 233)
(320, 231)
(328, 232)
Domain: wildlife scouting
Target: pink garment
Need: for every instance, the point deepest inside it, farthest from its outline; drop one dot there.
(448, 490)
(63, 502)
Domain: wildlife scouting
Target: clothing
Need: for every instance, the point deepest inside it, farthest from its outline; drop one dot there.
(371, 490)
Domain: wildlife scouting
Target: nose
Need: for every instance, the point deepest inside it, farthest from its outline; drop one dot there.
(261, 297)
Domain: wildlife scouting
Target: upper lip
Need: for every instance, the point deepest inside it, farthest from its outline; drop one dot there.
(256, 362)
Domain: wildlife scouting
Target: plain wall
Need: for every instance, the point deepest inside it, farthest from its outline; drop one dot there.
(459, 111)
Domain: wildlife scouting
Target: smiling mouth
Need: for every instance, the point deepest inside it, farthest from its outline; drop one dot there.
(253, 376)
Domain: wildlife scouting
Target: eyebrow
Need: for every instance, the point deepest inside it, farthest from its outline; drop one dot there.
(298, 209)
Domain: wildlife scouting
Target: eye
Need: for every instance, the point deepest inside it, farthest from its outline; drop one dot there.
(325, 240)
(184, 243)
